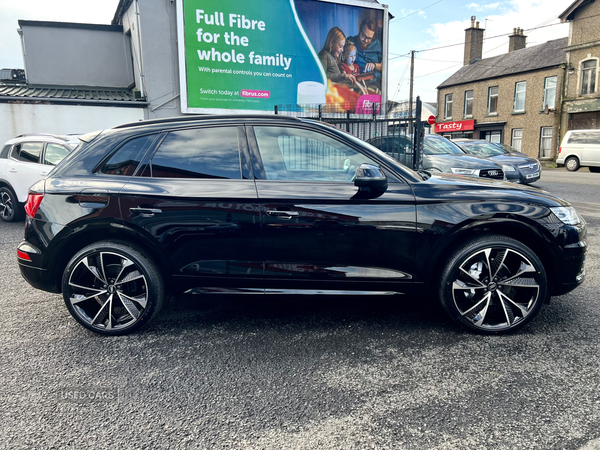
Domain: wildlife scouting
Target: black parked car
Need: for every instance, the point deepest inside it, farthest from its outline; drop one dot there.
(518, 167)
(273, 204)
(439, 155)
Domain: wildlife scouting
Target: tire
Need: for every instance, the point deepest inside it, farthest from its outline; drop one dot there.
(112, 277)
(10, 208)
(488, 296)
(572, 164)
(594, 169)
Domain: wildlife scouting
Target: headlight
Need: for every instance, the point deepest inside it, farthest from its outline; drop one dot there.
(566, 214)
(509, 169)
(461, 171)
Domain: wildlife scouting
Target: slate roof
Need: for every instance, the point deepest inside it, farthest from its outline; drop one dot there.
(58, 94)
(549, 54)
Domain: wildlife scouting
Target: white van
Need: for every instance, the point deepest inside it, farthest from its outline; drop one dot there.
(580, 148)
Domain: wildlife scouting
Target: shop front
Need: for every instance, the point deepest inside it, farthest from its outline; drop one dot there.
(454, 130)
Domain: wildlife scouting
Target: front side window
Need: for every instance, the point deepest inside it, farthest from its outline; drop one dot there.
(28, 152)
(448, 107)
(517, 138)
(519, 104)
(588, 77)
(549, 92)
(468, 104)
(54, 154)
(198, 153)
(295, 154)
(493, 100)
(546, 142)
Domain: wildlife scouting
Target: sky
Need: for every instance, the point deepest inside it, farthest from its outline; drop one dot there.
(423, 26)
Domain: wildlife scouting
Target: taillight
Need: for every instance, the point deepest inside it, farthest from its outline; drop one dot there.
(33, 203)
(559, 149)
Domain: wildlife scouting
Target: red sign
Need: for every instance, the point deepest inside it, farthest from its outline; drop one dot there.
(461, 125)
(431, 120)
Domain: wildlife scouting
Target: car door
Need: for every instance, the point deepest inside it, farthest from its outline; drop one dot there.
(53, 154)
(195, 199)
(317, 233)
(23, 167)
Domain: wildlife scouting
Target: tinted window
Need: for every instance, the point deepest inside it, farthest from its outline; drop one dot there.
(199, 153)
(585, 137)
(128, 157)
(28, 151)
(54, 154)
(296, 154)
(4, 152)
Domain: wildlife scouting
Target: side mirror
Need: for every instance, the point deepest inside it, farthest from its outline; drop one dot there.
(370, 181)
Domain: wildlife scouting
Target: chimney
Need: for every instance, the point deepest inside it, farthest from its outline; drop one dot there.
(516, 41)
(473, 42)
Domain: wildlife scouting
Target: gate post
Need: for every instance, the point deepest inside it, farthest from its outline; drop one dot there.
(419, 134)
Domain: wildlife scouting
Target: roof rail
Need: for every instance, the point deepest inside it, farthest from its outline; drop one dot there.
(57, 136)
(204, 117)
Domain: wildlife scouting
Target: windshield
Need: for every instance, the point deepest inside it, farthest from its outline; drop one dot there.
(482, 148)
(433, 145)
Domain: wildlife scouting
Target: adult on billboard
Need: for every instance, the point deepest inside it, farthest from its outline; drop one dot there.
(330, 56)
(369, 50)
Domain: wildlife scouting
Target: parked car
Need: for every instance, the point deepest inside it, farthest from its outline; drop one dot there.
(580, 148)
(439, 155)
(274, 204)
(518, 167)
(23, 161)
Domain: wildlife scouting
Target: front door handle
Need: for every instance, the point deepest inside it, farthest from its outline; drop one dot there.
(283, 214)
(145, 212)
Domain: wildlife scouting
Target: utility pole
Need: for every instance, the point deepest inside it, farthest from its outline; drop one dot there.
(412, 74)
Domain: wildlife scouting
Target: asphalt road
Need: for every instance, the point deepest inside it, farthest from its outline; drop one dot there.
(303, 373)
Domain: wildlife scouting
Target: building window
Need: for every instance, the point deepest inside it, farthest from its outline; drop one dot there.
(493, 100)
(546, 142)
(468, 104)
(549, 92)
(517, 138)
(519, 105)
(448, 107)
(588, 77)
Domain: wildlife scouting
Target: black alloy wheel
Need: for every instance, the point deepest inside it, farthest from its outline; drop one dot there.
(112, 288)
(493, 285)
(10, 210)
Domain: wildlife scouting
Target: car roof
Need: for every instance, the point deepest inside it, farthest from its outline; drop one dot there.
(69, 140)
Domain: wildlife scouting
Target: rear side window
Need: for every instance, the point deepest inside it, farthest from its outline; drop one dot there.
(585, 137)
(128, 157)
(28, 152)
(4, 152)
(198, 153)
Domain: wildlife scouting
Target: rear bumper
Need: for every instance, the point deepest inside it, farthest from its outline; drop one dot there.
(38, 278)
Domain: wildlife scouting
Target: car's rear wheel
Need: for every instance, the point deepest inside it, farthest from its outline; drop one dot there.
(10, 210)
(112, 288)
(594, 169)
(493, 285)
(572, 163)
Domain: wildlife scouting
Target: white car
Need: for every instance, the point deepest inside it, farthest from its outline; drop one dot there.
(25, 160)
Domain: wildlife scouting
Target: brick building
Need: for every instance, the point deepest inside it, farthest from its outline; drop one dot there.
(581, 101)
(512, 98)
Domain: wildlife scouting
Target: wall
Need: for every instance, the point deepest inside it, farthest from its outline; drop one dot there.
(531, 121)
(76, 55)
(20, 118)
(159, 59)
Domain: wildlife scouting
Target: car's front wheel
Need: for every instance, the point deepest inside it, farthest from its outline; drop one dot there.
(10, 210)
(112, 288)
(493, 284)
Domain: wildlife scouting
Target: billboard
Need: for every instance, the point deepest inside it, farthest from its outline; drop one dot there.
(249, 56)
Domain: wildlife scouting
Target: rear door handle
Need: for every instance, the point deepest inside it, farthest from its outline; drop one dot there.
(283, 214)
(12, 169)
(145, 212)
